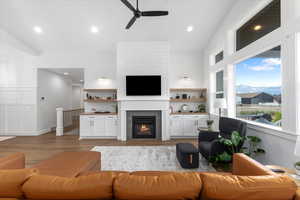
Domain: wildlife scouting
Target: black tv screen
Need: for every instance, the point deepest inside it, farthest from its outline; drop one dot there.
(143, 85)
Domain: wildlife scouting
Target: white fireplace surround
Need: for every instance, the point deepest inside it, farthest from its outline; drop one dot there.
(144, 105)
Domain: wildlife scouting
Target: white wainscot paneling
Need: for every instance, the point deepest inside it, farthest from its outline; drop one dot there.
(279, 146)
(18, 111)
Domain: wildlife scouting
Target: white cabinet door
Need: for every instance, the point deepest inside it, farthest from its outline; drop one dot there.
(111, 126)
(190, 126)
(99, 126)
(86, 126)
(176, 126)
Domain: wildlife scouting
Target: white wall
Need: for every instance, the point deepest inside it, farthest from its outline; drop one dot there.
(95, 64)
(279, 144)
(186, 63)
(17, 91)
(77, 96)
(57, 92)
(143, 58)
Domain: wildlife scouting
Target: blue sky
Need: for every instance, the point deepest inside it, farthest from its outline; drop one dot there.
(259, 72)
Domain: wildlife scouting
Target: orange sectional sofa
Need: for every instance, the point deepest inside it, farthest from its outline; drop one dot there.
(14, 161)
(249, 180)
(70, 164)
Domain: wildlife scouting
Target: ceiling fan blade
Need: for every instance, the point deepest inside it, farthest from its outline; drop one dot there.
(131, 22)
(154, 13)
(128, 5)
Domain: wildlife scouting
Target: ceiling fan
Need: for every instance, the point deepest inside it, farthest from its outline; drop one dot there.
(137, 13)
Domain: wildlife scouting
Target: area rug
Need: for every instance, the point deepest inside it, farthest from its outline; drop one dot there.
(143, 158)
(6, 138)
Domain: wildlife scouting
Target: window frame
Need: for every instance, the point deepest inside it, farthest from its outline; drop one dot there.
(257, 11)
(233, 83)
(220, 92)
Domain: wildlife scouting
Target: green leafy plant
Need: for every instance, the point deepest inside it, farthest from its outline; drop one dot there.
(253, 148)
(233, 145)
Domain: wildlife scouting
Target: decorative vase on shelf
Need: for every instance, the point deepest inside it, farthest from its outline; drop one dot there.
(209, 124)
(202, 108)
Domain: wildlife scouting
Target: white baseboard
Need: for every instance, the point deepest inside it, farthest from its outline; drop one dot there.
(24, 132)
(95, 137)
(43, 131)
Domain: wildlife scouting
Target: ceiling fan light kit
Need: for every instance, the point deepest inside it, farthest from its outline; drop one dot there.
(137, 13)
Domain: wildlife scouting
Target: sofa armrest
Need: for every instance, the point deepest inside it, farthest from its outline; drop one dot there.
(243, 165)
(297, 195)
(14, 161)
(208, 135)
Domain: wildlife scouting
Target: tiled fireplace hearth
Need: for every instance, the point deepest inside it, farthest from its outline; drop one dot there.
(143, 124)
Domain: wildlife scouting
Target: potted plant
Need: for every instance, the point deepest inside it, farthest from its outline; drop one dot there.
(202, 108)
(297, 168)
(233, 145)
(209, 123)
(253, 148)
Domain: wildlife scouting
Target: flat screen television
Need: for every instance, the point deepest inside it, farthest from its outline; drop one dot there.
(143, 85)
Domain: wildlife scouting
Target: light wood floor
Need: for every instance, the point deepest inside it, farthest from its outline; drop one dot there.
(38, 148)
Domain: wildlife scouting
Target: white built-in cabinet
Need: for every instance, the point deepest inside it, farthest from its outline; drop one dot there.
(186, 125)
(98, 126)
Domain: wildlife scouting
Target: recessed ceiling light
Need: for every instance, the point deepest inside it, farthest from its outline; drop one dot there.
(257, 27)
(94, 29)
(189, 28)
(38, 30)
(66, 73)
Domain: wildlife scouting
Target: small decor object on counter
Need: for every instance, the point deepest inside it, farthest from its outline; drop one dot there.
(202, 108)
(108, 98)
(171, 110)
(209, 124)
(177, 96)
(185, 108)
(184, 96)
(297, 168)
(202, 95)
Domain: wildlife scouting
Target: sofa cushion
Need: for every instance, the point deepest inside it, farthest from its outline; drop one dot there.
(96, 186)
(11, 182)
(9, 199)
(232, 187)
(175, 186)
(13, 161)
(69, 164)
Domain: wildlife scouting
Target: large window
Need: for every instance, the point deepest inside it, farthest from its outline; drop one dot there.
(264, 22)
(220, 84)
(258, 88)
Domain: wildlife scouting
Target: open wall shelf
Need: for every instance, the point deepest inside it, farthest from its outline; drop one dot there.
(100, 90)
(100, 100)
(195, 100)
(188, 89)
(188, 101)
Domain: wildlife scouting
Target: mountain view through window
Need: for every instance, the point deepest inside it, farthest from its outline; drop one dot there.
(258, 88)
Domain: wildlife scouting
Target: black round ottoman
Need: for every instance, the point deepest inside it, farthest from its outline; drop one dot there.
(187, 155)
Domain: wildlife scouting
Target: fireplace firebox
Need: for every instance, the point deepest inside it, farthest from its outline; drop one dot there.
(143, 127)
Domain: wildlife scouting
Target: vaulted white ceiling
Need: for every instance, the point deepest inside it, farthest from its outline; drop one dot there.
(66, 23)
